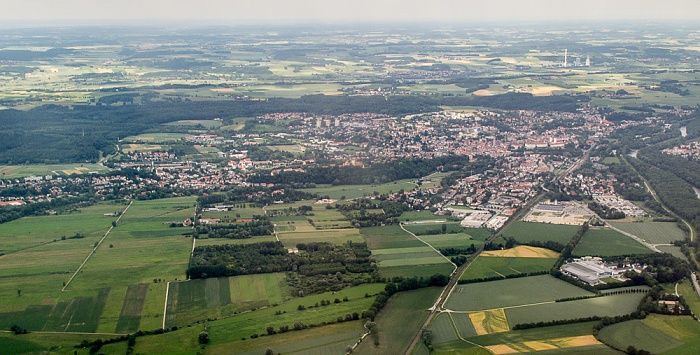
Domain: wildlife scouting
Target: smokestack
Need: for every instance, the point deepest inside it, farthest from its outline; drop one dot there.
(566, 54)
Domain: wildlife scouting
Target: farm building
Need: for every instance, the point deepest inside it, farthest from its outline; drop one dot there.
(590, 270)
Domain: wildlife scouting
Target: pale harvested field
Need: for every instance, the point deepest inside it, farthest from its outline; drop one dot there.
(544, 90)
(489, 322)
(523, 251)
(483, 92)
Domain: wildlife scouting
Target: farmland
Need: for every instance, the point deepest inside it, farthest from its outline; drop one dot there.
(615, 305)
(494, 266)
(565, 339)
(636, 333)
(342, 192)
(227, 331)
(653, 232)
(399, 253)
(223, 297)
(607, 242)
(523, 291)
(400, 320)
(525, 232)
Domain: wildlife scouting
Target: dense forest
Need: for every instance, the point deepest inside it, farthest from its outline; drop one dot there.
(673, 191)
(265, 257)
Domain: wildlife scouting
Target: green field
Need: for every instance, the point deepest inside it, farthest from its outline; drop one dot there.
(615, 305)
(387, 237)
(652, 232)
(208, 124)
(40, 343)
(443, 329)
(525, 232)
(114, 292)
(399, 254)
(356, 191)
(493, 266)
(399, 321)
(18, 171)
(236, 213)
(607, 242)
(457, 240)
(638, 334)
(154, 138)
(223, 297)
(521, 291)
(229, 330)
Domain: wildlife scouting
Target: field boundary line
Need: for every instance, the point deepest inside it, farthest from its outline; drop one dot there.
(454, 325)
(504, 308)
(165, 307)
(431, 247)
(96, 246)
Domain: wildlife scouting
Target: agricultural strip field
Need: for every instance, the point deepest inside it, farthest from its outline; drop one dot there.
(356, 191)
(546, 345)
(243, 325)
(511, 292)
(607, 242)
(38, 261)
(611, 306)
(399, 321)
(494, 266)
(235, 213)
(336, 236)
(222, 297)
(398, 253)
(525, 232)
(652, 232)
(130, 317)
(554, 338)
(142, 247)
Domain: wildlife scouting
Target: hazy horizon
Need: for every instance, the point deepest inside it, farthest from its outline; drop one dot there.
(247, 12)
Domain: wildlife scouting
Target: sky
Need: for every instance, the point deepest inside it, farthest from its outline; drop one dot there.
(342, 11)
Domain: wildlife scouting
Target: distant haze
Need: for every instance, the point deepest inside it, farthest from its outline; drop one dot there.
(333, 11)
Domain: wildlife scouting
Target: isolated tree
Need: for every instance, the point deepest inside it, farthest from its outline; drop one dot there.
(269, 352)
(203, 337)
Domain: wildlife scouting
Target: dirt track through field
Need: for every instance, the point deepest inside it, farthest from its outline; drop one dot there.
(95, 248)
